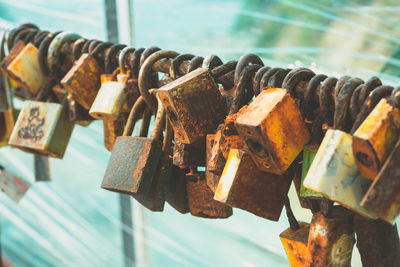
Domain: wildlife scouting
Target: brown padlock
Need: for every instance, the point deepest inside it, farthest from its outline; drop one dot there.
(383, 196)
(200, 197)
(189, 154)
(331, 239)
(242, 185)
(176, 193)
(375, 138)
(211, 178)
(295, 244)
(273, 130)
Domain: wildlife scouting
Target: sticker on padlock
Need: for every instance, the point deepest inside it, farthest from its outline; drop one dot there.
(242, 185)
(273, 130)
(22, 65)
(334, 174)
(375, 138)
(194, 105)
(383, 198)
(331, 239)
(13, 186)
(295, 244)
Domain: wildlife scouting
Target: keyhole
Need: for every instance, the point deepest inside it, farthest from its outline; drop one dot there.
(256, 148)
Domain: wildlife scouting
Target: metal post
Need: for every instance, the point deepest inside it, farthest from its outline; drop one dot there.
(42, 168)
(124, 200)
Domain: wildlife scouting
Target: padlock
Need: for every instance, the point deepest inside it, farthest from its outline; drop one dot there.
(154, 200)
(308, 157)
(212, 179)
(194, 105)
(331, 239)
(200, 197)
(22, 65)
(295, 244)
(189, 154)
(215, 160)
(13, 186)
(334, 174)
(112, 98)
(176, 193)
(83, 80)
(375, 138)
(273, 130)
(383, 198)
(242, 185)
(8, 114)
(377, 241)
(133, 162)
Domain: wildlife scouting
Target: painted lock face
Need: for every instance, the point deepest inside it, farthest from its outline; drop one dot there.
(22, 65)
(295, 244)
(308, 157)
(375, 138)
(83, 80)
(193, 104)
(331, 239)
(42, 128)
(335, 175)
(273, 130)
(242, 185)
(383, 196)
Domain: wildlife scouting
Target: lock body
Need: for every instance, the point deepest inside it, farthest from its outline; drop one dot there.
(331, 240)
(295, 244)
(42, 128)
(22, 65)
(13, 186)
(189, 154)
(242, 185)
(193, 104)
(375, 138)
(334, 174)
(176, 193)
(109, 101)
(212, 179)
(216, 160)
(200, 198)
(132, 165)
(308, 157)
(383, 196)
(83, 80)
(273, 130)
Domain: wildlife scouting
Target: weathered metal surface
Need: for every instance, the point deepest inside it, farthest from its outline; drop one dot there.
(113, 129)
(375, 138)
(133, 159)
(216, 161)
(60, 92)
(194, 105)
(308, 157)
(13, 186)
(295, 244)
(109, 101)
(176, 194)
(42, 128)
(212, 179)
(378, 242)
(83, 80)
(331, 240)
(335, 175)
(273, 130)
(22, 65)
(200, 197)
(189, 154)
(243, 185)
(305, 203)
(7, 122)
(383, 196)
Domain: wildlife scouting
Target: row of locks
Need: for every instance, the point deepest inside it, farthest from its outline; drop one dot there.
(255, 129)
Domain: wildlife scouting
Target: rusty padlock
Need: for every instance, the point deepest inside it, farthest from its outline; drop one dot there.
(185, 155)
(334, 174)
(194, 105)
(375, 138)
(13, 186)
(242, 185)
(176, 192)
(82, 81)
(200, 197)
(115, 97)
(212, 178)
(383, 198)
(377, 241)
(273, 130)
(331, 239)
(295, 242)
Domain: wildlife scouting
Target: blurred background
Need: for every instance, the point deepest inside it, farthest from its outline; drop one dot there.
(70, 221)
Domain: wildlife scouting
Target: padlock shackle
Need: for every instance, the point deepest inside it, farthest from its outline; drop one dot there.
(176, 62)
(77, 48)
(159, 121)
(212, 61)
(167, 141)
(54, 52)
(122, 57)
(111, 58)
(134, 116)
(144, 76)
(244, 61)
